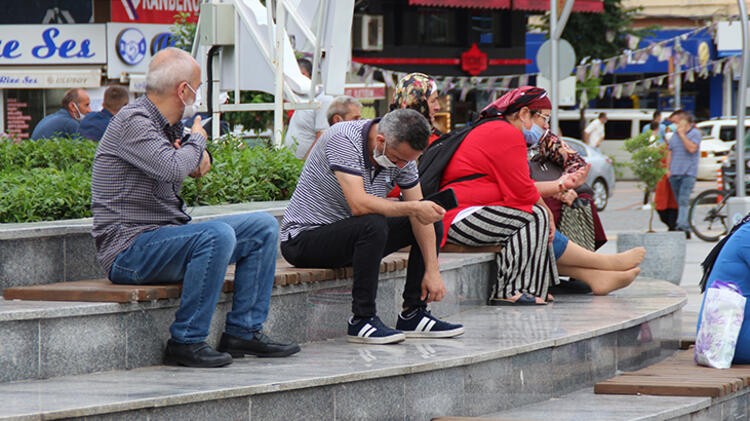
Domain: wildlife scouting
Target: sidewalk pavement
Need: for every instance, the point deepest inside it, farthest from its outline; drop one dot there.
(625, 213)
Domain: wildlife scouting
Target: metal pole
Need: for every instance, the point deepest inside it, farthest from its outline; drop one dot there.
(741, 100)
(555, 59)
(556, 28)
(278, 97)
(677, 85)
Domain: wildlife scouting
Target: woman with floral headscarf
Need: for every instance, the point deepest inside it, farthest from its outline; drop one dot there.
(419, 92)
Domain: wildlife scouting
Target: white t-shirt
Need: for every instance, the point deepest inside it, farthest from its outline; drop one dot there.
(305, 124)
(595, 130)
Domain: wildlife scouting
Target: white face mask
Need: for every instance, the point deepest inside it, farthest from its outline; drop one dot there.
(78, 110)
(192, 109)
(381, 159)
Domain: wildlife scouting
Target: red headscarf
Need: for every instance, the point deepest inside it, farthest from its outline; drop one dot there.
(525, 96)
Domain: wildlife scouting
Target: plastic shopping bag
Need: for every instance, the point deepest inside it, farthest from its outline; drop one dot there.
(723, 312)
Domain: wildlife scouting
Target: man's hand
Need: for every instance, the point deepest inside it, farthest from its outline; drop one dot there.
(203, 167)
(428, 212)
(433, 287)
(198, 127)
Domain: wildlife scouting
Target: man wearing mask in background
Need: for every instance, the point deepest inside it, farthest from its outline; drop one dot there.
(141, 226)
(75, 105)
(95, 123)
(682, 163)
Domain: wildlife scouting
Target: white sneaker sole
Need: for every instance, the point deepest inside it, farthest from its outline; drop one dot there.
(400, 337)
(435, 334)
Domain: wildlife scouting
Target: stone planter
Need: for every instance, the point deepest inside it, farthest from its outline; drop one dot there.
(665, 253)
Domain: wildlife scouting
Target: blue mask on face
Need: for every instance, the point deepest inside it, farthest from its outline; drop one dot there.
(533, 135)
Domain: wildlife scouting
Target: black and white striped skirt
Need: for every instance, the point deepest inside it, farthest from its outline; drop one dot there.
(526, 262)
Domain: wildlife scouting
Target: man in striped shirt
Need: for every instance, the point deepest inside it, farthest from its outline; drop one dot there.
(141, 225)
(338, 216)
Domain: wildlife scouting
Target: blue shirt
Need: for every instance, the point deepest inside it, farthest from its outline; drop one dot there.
(660, 132)
(94, 124)
(55, 124)
(683, 162)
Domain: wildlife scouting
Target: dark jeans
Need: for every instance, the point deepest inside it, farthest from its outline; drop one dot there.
(361, 242)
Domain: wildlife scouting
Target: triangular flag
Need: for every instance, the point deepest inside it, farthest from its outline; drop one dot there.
(523, 80)
(595, 69)
(656, 50)
(632, 41)
(617, 91)
(622, 61)
(602, 91)
(690, 75)
(581, 73)
(665, 54)
(505, 83)
(629, 89)
(388, 78)
(647, 84)
(659, 80)
(584, 98)
(609, 66)
(717, 67)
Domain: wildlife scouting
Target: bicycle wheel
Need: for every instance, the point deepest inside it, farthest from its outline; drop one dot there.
(708, 214)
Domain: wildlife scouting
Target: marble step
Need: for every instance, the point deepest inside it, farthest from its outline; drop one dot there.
(508, 357)
(49, 339)
(585, 405)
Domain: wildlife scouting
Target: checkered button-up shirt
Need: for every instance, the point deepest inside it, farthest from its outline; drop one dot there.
(137, 177)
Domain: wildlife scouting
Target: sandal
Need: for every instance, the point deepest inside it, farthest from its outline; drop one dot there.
(525, 299)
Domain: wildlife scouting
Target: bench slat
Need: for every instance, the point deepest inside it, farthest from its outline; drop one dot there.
(102, 290)
(678, 375)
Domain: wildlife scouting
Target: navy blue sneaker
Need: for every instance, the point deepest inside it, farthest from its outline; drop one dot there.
(372, 331)
(420, 323)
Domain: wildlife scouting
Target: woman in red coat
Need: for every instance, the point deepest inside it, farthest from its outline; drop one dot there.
(503, 205)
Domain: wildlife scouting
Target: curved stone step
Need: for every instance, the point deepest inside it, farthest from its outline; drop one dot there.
(43, 339)
(509, 356)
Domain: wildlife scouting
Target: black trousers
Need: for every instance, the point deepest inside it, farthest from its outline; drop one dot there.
(361, 242)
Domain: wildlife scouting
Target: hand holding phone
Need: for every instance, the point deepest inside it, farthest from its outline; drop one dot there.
(445, 198)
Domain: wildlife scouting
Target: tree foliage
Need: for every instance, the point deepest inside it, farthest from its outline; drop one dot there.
(588, 33)
(646, 162)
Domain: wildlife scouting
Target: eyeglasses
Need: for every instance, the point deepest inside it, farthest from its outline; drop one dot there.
(545, 117)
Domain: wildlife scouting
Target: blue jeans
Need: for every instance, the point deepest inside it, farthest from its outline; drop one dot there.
(682, 186)
(197, 255)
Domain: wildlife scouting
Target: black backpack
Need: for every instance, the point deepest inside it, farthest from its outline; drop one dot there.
(436, 157)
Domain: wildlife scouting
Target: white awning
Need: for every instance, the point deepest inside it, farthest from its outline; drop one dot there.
(45, 78)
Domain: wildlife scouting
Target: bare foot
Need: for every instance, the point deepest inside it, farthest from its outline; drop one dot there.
(630, 259)
(602, 282)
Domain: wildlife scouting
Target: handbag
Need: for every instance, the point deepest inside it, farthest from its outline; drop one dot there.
(577, 223)
(723, 313)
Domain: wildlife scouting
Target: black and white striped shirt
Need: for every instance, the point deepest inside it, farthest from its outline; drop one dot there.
(137, 177)
(318, 199)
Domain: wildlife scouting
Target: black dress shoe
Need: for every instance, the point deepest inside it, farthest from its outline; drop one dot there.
(195, 355)
(261, 346)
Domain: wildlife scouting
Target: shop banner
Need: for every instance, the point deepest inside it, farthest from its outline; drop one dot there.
(153, 11)
(44, 78)
(53, 44)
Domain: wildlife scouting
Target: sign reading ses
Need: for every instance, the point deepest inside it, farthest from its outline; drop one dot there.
(53, 44)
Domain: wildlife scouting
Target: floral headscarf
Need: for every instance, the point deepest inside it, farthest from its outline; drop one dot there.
(412, 92)
(526, 96)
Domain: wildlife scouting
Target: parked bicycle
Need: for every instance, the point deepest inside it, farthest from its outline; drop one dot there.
(708, 214)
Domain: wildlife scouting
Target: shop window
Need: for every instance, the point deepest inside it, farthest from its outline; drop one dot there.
(24, 108)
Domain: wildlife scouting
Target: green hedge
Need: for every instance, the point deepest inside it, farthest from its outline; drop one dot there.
(51, 179)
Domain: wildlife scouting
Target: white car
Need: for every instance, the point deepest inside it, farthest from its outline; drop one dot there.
(713, 154)
(724, 129)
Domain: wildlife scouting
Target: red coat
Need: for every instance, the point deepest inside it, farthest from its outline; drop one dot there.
(498, 150)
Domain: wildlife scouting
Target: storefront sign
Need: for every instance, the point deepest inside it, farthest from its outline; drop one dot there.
(52, 44)
(44, 78)
(366, 92)
(153, 11)
(131, 46)
(729, 38)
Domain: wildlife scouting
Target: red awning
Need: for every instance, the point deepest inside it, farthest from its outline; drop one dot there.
(594, 6)
(474, 4)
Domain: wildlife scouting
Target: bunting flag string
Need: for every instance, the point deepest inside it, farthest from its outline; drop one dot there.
(688, 67)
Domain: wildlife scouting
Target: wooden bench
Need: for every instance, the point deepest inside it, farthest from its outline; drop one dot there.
(102, 290)
(678, 375)
(458, 248)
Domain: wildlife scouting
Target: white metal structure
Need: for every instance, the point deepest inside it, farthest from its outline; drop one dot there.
(244, 45)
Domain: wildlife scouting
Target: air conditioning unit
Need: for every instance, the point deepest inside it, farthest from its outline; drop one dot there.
(367, 33)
